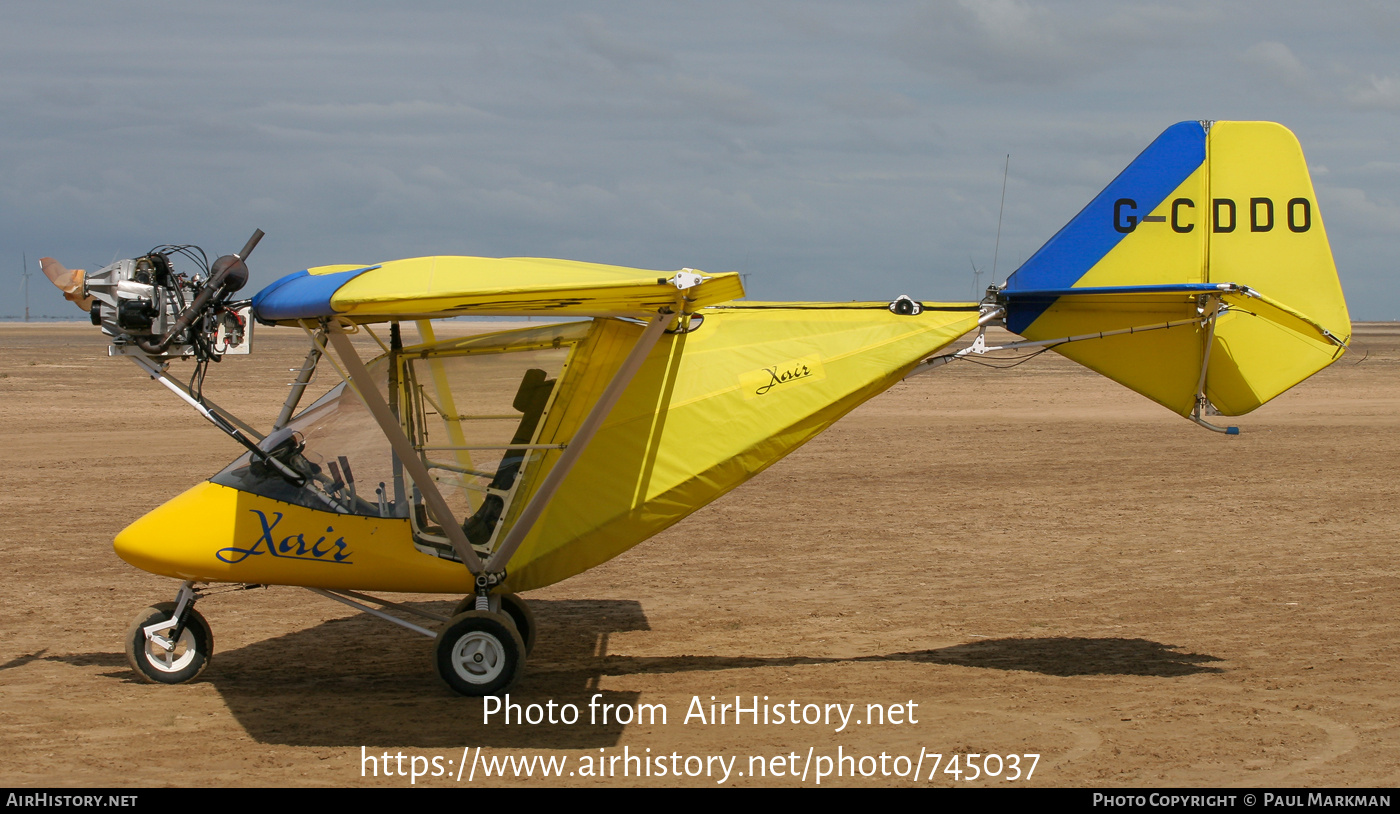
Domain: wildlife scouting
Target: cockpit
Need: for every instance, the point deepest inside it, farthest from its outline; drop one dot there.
(477, 410)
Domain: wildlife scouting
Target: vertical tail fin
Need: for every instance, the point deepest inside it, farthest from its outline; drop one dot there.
(1211, 215)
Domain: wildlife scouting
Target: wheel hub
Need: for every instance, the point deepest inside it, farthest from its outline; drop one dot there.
(172, 659)
(478, 657)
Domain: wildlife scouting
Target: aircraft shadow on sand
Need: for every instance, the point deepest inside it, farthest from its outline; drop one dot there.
(1057, 656)
(294, 689)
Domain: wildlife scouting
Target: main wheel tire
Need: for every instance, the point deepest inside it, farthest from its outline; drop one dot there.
(479, 653)
(519, 612)
(517, 609)
(153, 663)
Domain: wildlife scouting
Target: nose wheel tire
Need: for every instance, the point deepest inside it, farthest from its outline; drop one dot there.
(517, 609)
(184, 661)
(479, 653)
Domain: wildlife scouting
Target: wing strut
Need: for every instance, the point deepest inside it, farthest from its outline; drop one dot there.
(304, 373)
(579, 442)
(379, 408)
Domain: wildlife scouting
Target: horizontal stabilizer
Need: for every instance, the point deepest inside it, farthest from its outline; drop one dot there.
(1211, 219)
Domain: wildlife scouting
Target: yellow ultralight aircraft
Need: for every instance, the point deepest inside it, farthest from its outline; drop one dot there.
(492, 464)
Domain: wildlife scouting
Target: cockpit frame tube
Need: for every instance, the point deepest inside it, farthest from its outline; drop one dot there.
(304, 374)
(448, 409)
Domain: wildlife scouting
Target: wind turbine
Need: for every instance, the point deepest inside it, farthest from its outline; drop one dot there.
(25, 277)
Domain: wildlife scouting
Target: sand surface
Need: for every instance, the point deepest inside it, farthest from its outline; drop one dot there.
(1039, 560)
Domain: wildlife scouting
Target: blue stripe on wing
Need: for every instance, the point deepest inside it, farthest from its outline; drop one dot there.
(302, 295)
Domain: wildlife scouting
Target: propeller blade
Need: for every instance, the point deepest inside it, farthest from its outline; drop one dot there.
(70, 282)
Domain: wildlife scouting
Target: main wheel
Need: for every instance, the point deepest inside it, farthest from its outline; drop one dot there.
(479, 653)
(153, 663)
(517, 609)
(519, 612)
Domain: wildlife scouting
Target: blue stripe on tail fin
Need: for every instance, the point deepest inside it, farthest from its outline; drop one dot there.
(1097, 229)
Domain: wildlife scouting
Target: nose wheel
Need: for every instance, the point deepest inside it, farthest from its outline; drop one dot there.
(480, 653)
(163, 651)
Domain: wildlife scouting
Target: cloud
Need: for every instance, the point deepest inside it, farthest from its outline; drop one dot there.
(1377, 167)
(623, 52)
(838, 149)
(871, 104)
(1275, 62)
(1359, 211)
(1010, 42)
(720, 100)
(1380, 93)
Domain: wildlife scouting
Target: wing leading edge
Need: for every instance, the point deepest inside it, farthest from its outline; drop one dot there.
(453, 286)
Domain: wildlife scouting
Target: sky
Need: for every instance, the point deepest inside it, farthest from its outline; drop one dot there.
(829, 150)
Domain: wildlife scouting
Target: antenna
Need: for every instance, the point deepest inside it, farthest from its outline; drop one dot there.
(1004, 172)
(25, 277)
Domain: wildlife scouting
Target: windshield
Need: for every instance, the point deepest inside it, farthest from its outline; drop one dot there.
(337, 447)
(472, 407)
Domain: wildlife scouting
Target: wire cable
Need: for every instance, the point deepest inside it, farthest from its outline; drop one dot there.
(1013, 364)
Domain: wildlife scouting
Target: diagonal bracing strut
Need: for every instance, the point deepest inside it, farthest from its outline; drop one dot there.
(368, 391)
(365, 386)
(633, 363)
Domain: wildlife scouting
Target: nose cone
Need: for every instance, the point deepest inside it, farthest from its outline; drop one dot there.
(179, 538)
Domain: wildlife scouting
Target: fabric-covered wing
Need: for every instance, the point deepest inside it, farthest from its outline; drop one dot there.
(451, 286)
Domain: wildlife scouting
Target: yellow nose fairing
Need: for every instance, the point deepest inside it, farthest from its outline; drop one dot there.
(214, 533)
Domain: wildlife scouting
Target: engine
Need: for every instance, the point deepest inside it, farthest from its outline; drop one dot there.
(149, 308)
